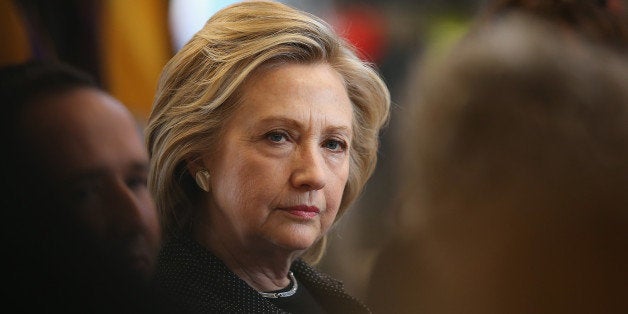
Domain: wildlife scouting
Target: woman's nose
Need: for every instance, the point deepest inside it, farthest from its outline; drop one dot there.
(309, 169)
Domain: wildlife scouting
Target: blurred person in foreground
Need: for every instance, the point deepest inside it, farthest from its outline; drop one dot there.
(263, 132)
(600, 21)
(80, 227)
(516, 177)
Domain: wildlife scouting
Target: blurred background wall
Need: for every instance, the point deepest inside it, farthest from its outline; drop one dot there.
(125, 44)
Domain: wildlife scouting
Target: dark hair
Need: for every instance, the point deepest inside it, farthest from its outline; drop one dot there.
(24, 82)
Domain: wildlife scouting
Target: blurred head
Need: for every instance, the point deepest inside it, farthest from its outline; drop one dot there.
(79, 161)
(204, 85)
(517, 175)
(600, 21)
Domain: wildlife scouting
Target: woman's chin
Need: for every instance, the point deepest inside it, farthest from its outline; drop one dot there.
(296, 241)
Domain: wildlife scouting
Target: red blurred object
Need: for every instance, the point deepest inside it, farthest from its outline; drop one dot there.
(615, 6)
(365, 27)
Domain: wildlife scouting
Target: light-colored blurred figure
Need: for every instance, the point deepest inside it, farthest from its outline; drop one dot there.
(515, 180)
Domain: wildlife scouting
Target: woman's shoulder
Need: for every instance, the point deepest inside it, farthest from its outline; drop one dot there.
(197, 278)
(329, 291)
(309, 273)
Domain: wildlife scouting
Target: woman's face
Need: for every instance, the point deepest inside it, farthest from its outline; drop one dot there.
(279, 172)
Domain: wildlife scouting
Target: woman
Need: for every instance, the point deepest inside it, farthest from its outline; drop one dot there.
(263, 132)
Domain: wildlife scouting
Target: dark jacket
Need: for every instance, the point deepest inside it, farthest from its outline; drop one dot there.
(195, 277)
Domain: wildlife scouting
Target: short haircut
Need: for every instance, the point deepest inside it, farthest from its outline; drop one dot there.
(200, 88)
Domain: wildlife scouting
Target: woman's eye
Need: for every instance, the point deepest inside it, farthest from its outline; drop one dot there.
(276, 137)
(335, 145)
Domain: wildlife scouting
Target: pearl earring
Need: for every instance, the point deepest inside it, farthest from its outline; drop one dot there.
(202, 179)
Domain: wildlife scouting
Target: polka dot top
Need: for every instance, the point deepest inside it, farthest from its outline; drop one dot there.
(196, 278)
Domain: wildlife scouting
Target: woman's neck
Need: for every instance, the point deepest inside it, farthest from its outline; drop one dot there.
(262, 269)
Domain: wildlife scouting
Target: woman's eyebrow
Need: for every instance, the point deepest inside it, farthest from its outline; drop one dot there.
(278, 120)
(344, 130)
(296, 124)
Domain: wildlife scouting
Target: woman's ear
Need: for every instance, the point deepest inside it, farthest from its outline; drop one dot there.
(198, 171)
(194, 165)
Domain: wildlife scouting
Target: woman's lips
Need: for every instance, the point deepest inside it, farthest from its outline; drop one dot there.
(303, 211)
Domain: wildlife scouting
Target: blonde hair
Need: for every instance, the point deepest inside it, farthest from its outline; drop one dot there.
(200, 88)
